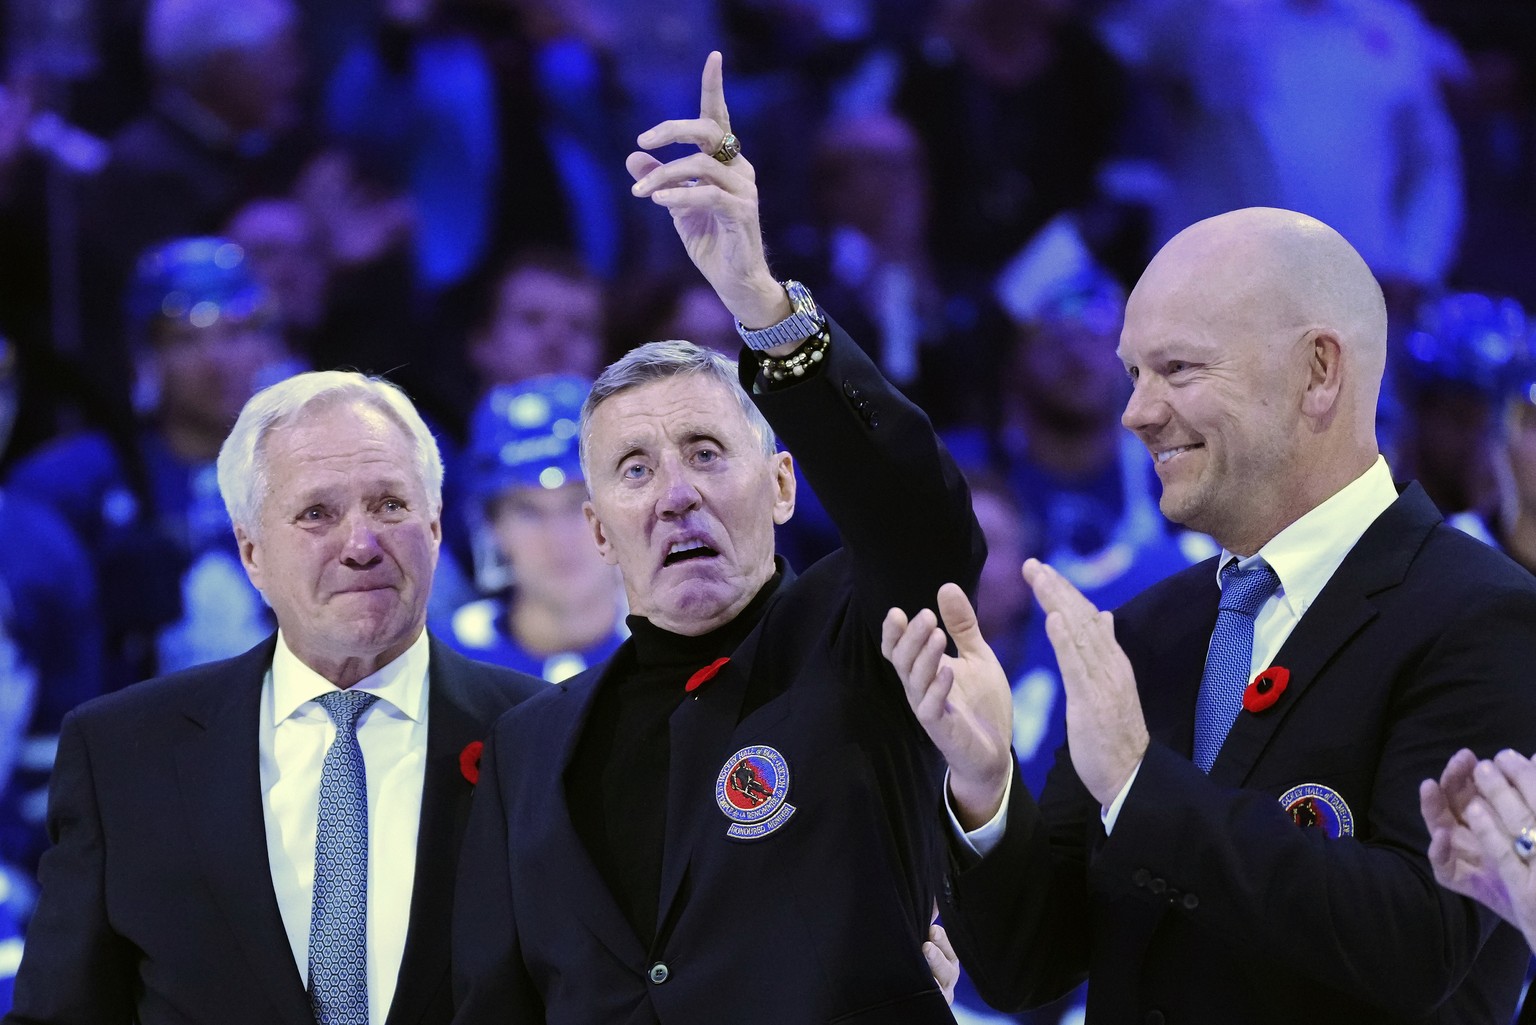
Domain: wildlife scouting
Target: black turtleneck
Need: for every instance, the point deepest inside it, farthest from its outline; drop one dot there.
(616, 787)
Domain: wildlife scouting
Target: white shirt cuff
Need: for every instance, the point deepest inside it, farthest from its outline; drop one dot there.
(1111, 813)
(987, 836)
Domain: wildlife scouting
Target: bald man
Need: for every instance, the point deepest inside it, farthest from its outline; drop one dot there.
(1210, 849)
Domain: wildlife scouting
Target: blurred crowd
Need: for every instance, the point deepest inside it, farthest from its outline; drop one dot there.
(198, 197)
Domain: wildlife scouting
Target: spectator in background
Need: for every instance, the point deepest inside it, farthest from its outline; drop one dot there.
(50, 661)
(1017, 106)
(147, 507)
(1467, 355)
(923, 328)
(440, 104)
(1494, 107)
(290, 255)
(651, 306)
(335, 257)
(1059, 440)
(1329, 107)
(872, 193)
(559, 607)
(224, 125)
(544, 316)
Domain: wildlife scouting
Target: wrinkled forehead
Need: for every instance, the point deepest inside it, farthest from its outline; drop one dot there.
(333, 426)
(673, 407)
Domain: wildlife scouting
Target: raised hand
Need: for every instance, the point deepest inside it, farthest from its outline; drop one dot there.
(713, 204)
(962, 701)
(1106, 731)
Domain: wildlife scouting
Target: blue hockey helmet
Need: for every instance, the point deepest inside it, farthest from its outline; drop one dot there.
(525, 435)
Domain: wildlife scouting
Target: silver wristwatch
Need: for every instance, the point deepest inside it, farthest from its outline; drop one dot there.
(797, 327)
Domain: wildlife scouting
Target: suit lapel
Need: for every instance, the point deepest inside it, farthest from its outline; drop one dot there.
(1170, 659)
(1379, 560)
(445, 794)
(220, 775)
(586, 889)
(705, 731)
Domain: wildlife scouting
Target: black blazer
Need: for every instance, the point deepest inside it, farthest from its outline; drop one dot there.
(157, 903)
(1208, 903)
(821, 920)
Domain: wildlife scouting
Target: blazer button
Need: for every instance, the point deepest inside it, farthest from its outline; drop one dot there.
(1191, 901)
(1141, 877)
(873, 418)
(850, 389)
(659, 973)
(1157, 886)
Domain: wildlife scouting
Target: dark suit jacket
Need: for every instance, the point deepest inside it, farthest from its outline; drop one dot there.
(157, 903)
(821, 920)
(1208, 904)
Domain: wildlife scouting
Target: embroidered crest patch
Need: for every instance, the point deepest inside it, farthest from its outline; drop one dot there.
(1314, 806)
(752, 791)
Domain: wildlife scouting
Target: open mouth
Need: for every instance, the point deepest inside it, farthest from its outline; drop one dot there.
(683, 551)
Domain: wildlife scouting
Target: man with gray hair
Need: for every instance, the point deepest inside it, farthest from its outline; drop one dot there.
(734, 818)
(272, 838)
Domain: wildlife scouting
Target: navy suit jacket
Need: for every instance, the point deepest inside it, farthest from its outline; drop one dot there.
(820, 920)
(157, 903)
(1208, 904)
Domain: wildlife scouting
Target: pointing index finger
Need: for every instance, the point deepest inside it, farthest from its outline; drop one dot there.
(712, 95)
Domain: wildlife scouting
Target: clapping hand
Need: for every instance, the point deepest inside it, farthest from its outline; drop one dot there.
(961, 700)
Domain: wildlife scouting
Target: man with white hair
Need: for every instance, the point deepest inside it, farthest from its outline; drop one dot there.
(272, 838)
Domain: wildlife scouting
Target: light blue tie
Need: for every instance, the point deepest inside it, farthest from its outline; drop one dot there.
(338, 941)
(1243, 593)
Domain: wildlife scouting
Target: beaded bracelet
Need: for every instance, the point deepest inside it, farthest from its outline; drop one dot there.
(778, 369)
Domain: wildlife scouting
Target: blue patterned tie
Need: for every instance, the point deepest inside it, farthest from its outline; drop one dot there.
(1243, 593)
(338, 950)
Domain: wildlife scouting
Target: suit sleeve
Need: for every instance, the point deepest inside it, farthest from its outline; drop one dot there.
(900, 503)
(1019, 917)
(74, 967)
(490, 981)
(1361, 916)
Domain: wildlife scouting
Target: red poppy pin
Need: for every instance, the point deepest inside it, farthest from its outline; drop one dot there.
(1266, 689)
(469, 760)
(704, 675)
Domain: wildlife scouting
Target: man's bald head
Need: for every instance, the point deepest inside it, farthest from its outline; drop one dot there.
(1258, 341)
(1264, 268)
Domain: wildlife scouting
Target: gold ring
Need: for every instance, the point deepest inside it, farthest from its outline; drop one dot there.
(729, 149)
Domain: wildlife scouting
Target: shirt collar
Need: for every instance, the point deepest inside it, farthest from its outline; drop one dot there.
(402, 683)
(1305, 554)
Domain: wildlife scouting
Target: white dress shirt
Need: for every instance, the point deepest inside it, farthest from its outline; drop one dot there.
(1304, 556)
(295, 734)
